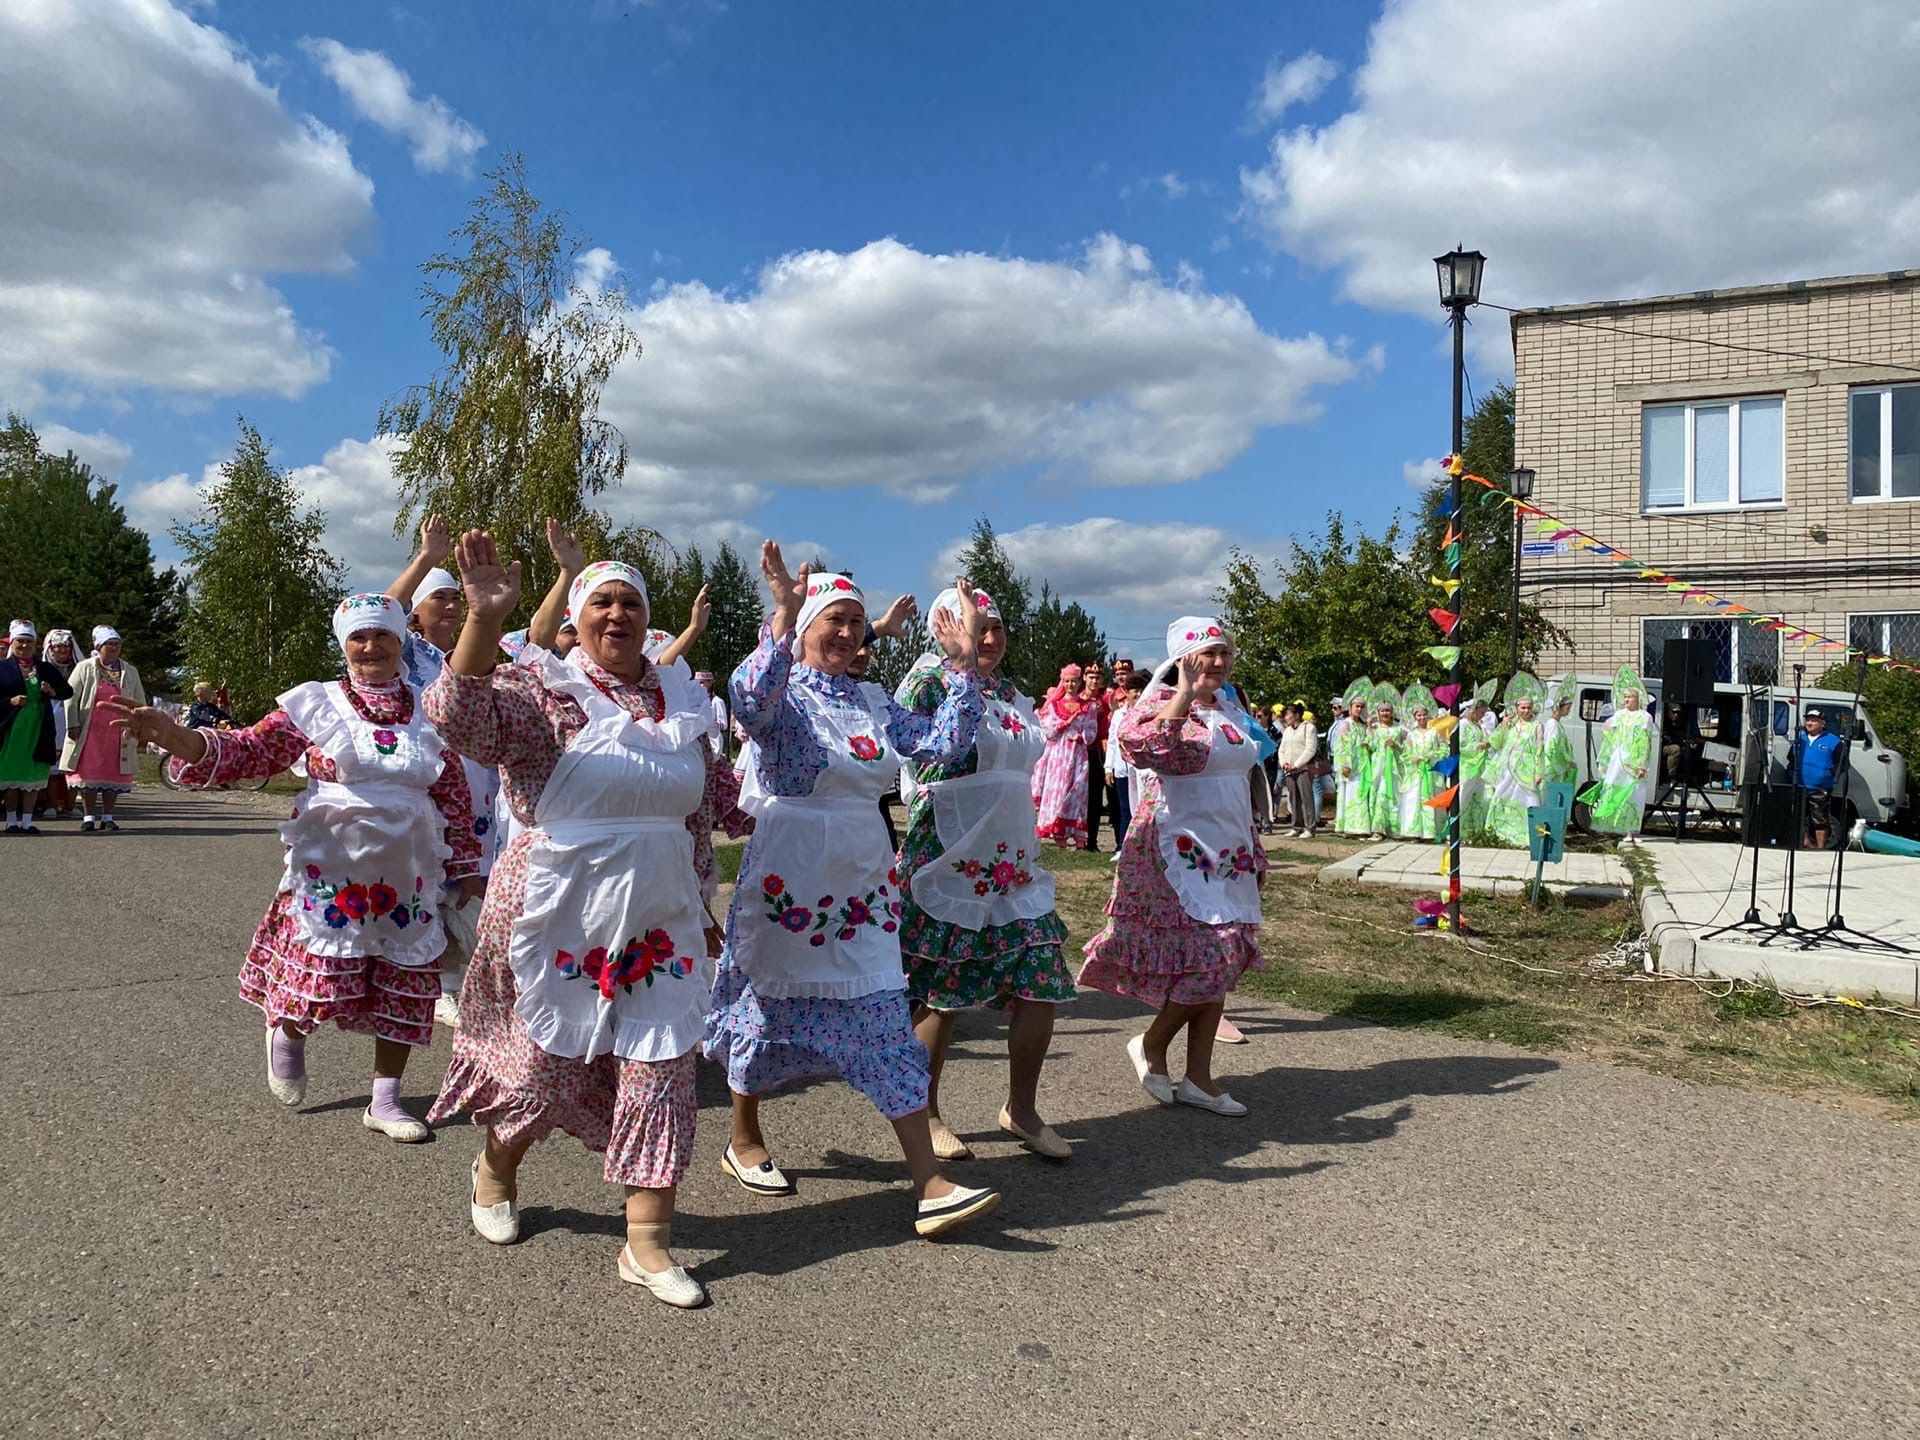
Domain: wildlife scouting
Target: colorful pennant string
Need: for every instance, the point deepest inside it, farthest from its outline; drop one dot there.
(1447, 655)
(1445, 695)
(1445, 619)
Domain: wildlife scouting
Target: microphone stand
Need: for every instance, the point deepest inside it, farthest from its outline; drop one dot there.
(1836, 925)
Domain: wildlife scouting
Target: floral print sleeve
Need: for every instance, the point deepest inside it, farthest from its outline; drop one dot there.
(496, 719)
(454, 800)
(1171, 747)
(924, 691)
(759, 687)
(946, 736)
(267, 748)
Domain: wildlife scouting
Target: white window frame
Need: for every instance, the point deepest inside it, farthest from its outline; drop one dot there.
(1885, 497)
(1689, 506)
(1883, 643)
(1746, 639)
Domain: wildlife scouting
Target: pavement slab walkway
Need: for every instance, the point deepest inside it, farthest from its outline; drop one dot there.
(1414, 865)
(1410, 1236)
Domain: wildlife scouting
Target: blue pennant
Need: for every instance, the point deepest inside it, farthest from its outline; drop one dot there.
(1446, 765)
(1446, 506)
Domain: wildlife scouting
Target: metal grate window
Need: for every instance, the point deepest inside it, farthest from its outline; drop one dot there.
(1734, 645)
(1895, 633)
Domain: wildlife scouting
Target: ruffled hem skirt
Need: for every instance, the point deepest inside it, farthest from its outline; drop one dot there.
(363, 994)
(765, 1044)
(1170, 965)
(951, 968)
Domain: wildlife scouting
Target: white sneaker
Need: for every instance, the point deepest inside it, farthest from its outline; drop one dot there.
(1160, 1087)
(287, 1092)
(407, 1132)
(673, 1287)
(498, 1224)
(446, 1011)
(1189, 1093)
(950, 1212)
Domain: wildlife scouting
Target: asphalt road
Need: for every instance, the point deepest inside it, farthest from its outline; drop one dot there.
(1409, 1236)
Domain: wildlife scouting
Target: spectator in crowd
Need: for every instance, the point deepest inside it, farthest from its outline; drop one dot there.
(1274, 721)
(1100, 700)
(1299, 746)
(207, 713)
(1816, 758)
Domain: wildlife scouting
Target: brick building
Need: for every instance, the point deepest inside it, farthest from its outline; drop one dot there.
(1778, 466)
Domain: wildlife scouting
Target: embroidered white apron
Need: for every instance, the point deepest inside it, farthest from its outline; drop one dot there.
(367, 850)
(817, 909)
(1205, 824)
(609, 951)
(986, 872)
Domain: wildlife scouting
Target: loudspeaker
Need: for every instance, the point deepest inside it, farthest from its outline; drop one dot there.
(1770, 816)
(1686, 677)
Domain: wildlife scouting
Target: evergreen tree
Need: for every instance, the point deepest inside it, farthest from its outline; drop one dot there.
(739, 604)
(1056, 635)
(262, 590)
(69, 558)
(509, 432)
(985, 562)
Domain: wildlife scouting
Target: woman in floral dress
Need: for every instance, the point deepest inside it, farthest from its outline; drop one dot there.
(1351, 758)
(587, 991)
(1417, 783)
(1619, 796)
(1071, 723)
(811, 982)
(1518, 770)
(1183, 921)
(978, 927)
(1476, 754)
(354, 933)
(1386, 742)
(99, 757)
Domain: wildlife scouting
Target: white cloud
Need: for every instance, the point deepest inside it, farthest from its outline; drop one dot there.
(158, 504)
(1419, 474)
(885, 366)
(1299, 81)
(1117, 566)
(153, 182)
(106, 454)
(380, 91)
(1170, 185)
(1608, 151)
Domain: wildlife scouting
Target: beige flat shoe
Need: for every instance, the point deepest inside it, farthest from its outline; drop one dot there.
(1044, 1142)
(946, 1144)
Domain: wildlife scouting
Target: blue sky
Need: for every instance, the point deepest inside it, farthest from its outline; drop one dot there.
(1137, 281)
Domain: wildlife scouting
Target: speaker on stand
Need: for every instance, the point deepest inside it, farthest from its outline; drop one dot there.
(1687, 681)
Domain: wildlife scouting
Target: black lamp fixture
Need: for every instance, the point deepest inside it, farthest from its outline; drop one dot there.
(1520, 486)
(1520, 483)
(1459, 272)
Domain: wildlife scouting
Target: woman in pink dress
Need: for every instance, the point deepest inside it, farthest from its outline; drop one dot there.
(1184, 918)
(381, 841)
(1060, 780)
(100, 758)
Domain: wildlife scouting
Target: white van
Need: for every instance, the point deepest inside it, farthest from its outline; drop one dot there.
(1721, 749)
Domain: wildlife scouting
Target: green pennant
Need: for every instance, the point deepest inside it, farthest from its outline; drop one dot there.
(1453, 557)
(1447, 655)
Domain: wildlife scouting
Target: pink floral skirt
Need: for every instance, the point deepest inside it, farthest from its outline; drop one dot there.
(640, 1114)
(363, 994)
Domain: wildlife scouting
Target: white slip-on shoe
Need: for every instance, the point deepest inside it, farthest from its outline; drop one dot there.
(1189, 1093)
(446, 1011)
(1160, 1087)
(497, 1224)
(762, 1179)
(1044, 1142)
(946, 1144)
(673, 1287)
(933, 1218)
(408, 1131)
(287, 1092)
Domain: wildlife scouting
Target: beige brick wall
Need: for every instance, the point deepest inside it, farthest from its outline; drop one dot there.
(1579, 392)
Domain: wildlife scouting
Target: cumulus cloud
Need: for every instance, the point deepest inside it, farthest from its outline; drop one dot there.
(106, 454)
(1117, 566)
(1608, 151)
(1298, 81)
(885, 366)
(153, 183)
(380, 91)
(1419, 474)
(1170, 185)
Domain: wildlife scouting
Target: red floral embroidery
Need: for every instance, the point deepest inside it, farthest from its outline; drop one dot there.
(864, 748)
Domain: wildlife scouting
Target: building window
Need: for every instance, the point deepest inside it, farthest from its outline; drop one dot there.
(1883, 444)
(1713, 455)
(1735, 646)
(1895, 633)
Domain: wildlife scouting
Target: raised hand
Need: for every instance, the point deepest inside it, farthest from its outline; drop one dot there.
(149, 726)
(436, 540)
(787, 592)
(1187, 673)
(959, 635)
(893, 624)
(492, 589)
(565, 546)
(702, 613)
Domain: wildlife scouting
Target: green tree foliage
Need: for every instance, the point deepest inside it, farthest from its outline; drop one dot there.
(733, 589)
(1042, 632)
(1339, 608)
(263, 587)
(1486, 562)
(985, 562)
(892, 659)
(68, 557)
(1892, 702)
(509, 431)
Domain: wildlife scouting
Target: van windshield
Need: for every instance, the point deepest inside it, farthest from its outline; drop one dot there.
(1837, 717)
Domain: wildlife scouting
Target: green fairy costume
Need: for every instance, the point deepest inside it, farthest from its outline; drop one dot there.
(1517, 775)
(1351, 761)
(1562, 767)
(1476, 751)
(1384, 742)
(1625, 764)
(1418, 784)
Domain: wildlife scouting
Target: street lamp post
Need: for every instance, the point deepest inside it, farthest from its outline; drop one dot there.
(1459, 273)
(1520, 486)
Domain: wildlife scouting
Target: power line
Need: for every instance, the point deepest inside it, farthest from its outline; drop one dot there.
(1711, 344)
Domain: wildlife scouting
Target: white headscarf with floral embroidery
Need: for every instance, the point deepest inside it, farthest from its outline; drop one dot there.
(603, 572)
(366, 611)
(824, 589)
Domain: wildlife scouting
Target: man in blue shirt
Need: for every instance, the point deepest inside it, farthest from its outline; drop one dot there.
(1814, 761)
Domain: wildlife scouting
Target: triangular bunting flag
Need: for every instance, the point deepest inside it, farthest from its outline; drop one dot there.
(1445, 619)
(1452, 556)
(1445, 765)
(1444, 798)
(1445, 695)
(1447, 585)
(1447, 655)
(1443, 725)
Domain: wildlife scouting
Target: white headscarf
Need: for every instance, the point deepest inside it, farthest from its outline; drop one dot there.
(22, 630)
(948, 600)
(824, 589)
(603, 572)
(102, 634)
(1195, 632)
(365, 611)
(436, 579)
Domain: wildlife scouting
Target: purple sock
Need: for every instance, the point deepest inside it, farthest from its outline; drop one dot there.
(289, 1056)
(386, 1099)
